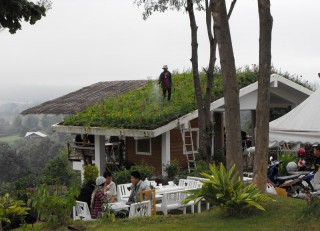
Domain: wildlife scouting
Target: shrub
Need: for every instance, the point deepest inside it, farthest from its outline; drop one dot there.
(123, 177)
(91, 172)
(225, 189)
(59, 170)
(10, 210)
(52, 204)
(145, 170)
(172, 170)
(202, 166)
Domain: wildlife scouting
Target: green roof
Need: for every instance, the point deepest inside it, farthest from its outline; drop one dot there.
(145, 108)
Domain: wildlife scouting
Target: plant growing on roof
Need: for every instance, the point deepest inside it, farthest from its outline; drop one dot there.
(143, 108)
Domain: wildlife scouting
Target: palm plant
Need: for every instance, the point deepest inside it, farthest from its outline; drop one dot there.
(225, 189)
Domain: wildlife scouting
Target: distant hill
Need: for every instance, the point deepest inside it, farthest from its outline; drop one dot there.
(32, 94)
(14, 100)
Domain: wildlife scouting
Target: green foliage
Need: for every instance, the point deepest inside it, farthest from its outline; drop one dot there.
(12, 12)
(59, 170)
(91, 172)
(279, 215)
(123, 177)
(145, 170)
(224, 188)
(140, 108)
(202, 166)
(144, 108)
(36, 154)
(52, 204)
(285, 158)
(11, 164)
(172, 170)
(312, 210)
(11, 209)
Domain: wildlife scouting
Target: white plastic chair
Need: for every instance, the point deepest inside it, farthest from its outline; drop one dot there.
(122, 192)
(192, 184)
(173, 200)
(199, 185)
(196, 178)
(81, 211)
(182, 183)
(140, 209)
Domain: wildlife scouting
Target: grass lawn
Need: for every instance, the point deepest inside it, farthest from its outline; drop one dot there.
(10, 139)
(282, 214)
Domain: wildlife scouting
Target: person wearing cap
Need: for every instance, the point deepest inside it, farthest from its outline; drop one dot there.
(165, 79)
(137, 186)
(98, 197)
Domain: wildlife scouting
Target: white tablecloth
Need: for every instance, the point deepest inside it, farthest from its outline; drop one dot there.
(117, 206)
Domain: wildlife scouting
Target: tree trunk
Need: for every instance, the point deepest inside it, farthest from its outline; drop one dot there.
(263, 105)
(203, 109)
(230, 87)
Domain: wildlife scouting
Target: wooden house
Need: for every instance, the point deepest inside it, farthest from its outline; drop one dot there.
(160, 145)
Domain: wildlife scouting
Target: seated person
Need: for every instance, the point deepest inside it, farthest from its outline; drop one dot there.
(110, 188)
(86, 192)
(137, 186)
(98, 197)
(316, 179)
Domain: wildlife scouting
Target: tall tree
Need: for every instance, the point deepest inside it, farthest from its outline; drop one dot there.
(204, 99)
(263, 105)
(230, 86)
(13, 11)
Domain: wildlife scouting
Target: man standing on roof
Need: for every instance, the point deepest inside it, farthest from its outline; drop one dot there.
(166, 82)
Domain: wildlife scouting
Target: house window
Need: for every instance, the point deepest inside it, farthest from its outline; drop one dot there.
(143, 146)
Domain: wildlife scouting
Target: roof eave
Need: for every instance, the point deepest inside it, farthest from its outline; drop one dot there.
(125, 132)
(103, 131)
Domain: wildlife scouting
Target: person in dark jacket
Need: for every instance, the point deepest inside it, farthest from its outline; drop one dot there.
(165, 79)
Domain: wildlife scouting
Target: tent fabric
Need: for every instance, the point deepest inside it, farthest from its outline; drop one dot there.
(300, 125)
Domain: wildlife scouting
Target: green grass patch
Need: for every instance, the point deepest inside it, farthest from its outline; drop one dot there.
(10, 139)
(281, 214)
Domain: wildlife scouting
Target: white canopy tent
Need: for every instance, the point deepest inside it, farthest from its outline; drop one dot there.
(301, 125)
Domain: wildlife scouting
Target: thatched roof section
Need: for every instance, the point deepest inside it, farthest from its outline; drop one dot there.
(81, 99)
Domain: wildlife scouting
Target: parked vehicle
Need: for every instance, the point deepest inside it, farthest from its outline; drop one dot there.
(291, 183)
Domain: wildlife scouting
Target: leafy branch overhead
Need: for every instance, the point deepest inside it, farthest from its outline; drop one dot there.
(151, 6)
(13, 11)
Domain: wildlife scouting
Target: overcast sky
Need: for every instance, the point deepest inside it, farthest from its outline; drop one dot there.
(82, 42)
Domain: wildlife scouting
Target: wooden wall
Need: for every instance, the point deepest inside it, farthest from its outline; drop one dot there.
(155, 160)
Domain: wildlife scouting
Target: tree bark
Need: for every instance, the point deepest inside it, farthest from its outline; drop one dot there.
(230, 87)
(203, 109)
(263, 104)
